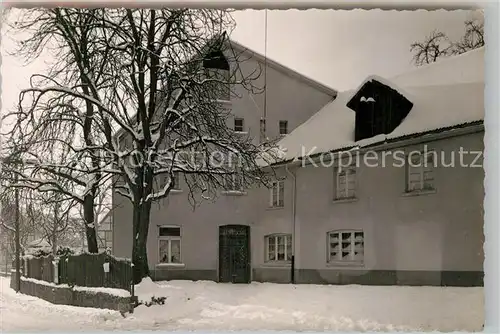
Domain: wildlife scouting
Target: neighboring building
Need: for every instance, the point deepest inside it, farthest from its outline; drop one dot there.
(397, 223)
(418, 223)
(104, 233)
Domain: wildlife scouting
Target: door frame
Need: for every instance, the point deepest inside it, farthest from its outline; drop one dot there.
(249, 250)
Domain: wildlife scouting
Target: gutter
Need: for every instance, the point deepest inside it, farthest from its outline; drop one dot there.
(398, 142)
(294, 214)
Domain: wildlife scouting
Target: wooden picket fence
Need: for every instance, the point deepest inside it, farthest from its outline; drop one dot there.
(40, 268)
(81, 270)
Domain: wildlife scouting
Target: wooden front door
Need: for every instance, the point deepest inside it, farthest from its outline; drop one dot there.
(234, 254)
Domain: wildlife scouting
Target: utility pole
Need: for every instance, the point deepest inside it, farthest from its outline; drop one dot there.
(18, 244)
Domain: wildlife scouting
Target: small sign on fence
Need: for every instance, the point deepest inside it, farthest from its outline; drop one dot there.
(105, 266)
(56, 271)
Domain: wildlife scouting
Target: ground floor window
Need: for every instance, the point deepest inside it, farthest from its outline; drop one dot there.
(278, 247)
(346, 246)
(169, 244)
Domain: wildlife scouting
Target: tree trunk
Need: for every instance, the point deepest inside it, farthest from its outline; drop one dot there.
(89, 218)
(139, 245)
(54, 240)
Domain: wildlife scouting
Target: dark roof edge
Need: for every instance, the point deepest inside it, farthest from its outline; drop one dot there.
(418, 135)
(286, 70)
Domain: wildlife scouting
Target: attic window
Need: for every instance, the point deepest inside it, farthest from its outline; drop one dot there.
(216, 60)
(379, 109)
(217, 67)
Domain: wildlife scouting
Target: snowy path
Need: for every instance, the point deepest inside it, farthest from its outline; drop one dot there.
(26, 313)
(211, 306)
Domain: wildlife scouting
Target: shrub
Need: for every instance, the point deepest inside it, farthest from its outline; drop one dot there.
(154, 301)
(64, 251)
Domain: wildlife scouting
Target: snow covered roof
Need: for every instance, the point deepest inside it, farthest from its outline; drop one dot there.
(447, 101)
(38, 243)
(465, 68)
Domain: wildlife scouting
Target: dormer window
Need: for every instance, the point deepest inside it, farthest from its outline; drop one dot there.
(217, 68)
(379, 109)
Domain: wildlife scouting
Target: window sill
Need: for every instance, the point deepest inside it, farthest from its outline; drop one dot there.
(345, 200)
(419, 193)
(176, 191)
(234, 193)
(346, 264)
(170, 265)
(271, 208)
(240, 132)
(222, 101)
(277, 264)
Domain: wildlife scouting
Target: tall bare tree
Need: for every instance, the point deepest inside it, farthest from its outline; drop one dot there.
(60, 122)
(437, 44)
(150, 83)
(27, 225)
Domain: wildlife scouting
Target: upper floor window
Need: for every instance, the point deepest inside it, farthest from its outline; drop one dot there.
(169, 244)
(176, 181)
(221, 86)
(233, 182)
(346, 246)
(164, 179)
(420, 171)
(277, 194)
(217, 68)
(345, 182)
(283, 127)
(239, 125)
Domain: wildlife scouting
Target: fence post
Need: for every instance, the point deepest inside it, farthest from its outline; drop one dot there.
(132, 288)
(106, 269)
(55, 264)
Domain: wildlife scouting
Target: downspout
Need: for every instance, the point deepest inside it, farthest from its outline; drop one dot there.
(294, 239)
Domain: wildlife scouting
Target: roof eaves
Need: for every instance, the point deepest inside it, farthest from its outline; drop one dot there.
(449, 129)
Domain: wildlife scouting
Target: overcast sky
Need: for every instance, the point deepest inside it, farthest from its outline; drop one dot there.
(337, 48)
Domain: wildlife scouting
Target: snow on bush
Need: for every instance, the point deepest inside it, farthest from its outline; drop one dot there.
(147, 290)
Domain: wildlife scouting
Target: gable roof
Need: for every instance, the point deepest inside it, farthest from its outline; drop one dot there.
(216, 40)
(284, 69)
(448, 99)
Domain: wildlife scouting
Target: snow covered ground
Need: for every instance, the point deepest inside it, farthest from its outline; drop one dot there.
(260, 306)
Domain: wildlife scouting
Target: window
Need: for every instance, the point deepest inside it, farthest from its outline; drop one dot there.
(176, 180)
(164, 179)
(169, 244)
(217, 67)
(31, 237)
(277, 194)
(233, 182)
(108, 235)
(120, 182)
(283, 128)
(221, 85)
(278, 247)
(420, 174)
(346, 246)
(345, 182)
(238, 125)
